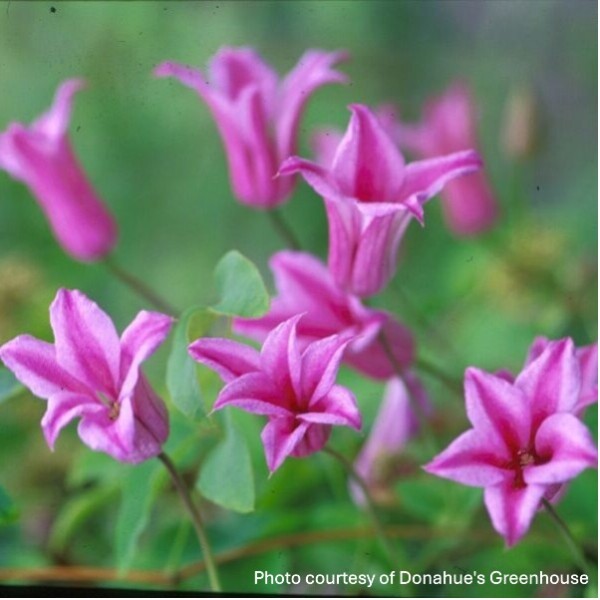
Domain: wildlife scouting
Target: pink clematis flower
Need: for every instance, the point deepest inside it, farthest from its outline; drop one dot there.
(394, 426)
(91, 374)
(257, 115)
(449, 125)
(295, 390)
(41, 156)
(370, 197)
(304, 285)
(525, 440)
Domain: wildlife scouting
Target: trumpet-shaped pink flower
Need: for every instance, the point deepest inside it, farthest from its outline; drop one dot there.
(41, 156)
(370, 197)
(525, 440)
(304, 285)
(295, 390)
(257, 116)
(449, 125)
(394, 425)
(91, 374)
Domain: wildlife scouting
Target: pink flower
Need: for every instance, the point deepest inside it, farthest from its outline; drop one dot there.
(295, 390)
(304, 285)
(394, 425)
(370, 197)
(91, 374)
(257, 115)
(449, 125)
(525, 440)
(41, 156)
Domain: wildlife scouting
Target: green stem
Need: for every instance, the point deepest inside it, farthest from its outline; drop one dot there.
(283, 229)
(196, 517)
(379, 530)
(139, 287)
(578, 556)
(450, 382)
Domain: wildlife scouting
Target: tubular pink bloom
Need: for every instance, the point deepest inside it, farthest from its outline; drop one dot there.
(305, 286)
(449, 125)
(525, 442)
(370, 197)
(91, 374)
(394, 425)
(257, 116)
(295, 389)
(41, 157)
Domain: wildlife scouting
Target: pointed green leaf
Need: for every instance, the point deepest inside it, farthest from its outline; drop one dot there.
(182, 381)
(226, 477)
(241, 289)
(138, 493)
(9, 386)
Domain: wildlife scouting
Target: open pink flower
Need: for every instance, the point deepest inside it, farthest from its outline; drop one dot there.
(91, 374)
(305, 286)
(295, 390)
(257, 115)
(394, 425)
(41, 156)
(449, 125)
(370, 197)
(525, 440)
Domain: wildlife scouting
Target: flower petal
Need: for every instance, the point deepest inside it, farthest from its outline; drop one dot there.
(230, 359)
(338, 407)
(280, 358)
(512, 509)
(255, 393)
(62, 408)
(588, 365)
(33, 363)
(55, 123)
(367, 164)
(552, 382)
(86, 342)
(280, 437)
(566, 445)
(497, 410)
(471, 460)
(139, 341)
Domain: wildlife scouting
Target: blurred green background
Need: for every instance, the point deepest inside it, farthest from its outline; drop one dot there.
(153, 153)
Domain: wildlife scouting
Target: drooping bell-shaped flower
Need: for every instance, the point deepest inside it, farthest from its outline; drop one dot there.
(526, 440)
(91, 374)
(257, 115)
(370, 197)
(449, 124)
(41, 157)
(295, 389)
(305, 286)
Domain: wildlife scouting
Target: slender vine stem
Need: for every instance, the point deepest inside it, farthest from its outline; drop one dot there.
(139, 287)
(578, 555)
(379, 529)
(283, 229)
(450, 382)
(196, 517)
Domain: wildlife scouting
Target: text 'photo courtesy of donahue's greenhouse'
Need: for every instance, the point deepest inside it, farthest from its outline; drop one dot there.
(299, 298)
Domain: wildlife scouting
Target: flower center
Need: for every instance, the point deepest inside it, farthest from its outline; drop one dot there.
(525, 458)
(112, 405)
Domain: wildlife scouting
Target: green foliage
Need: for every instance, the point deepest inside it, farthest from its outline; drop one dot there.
(8, 510)
(9, 386)
(227, 478)
(242, 291)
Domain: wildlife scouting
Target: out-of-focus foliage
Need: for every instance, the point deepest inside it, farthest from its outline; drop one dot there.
(154, 155)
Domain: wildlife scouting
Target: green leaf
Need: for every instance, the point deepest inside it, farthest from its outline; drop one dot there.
(227, 478)
(241, 289)
(9, 386)
(182, 381)
(8, 511)
(138, 493)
